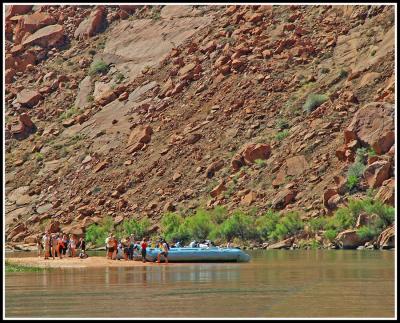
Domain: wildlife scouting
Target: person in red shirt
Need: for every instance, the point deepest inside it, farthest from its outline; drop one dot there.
(143, 246)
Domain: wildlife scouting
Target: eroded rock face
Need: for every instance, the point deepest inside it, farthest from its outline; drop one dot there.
(373, 125)
(376, 173)
(349, 239)
(46, 37)
(91, 25)
(386, 192)
(386, 238)
(28, 98)
(14, 10)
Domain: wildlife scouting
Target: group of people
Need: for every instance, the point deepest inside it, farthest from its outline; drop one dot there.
(127, 247)
(60, 245)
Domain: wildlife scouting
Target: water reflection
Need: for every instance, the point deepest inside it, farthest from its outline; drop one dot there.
(274, 284)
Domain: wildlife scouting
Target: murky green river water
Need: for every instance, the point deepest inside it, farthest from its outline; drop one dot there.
(279, 283)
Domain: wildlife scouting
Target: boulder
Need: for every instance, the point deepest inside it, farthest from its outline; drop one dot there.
(46, 37)
(376, 173)
(327, 195)
(16, 230)
(141, 134)
(35, 21)
(386, 238)
(193, 138)
(92, 24)
(213, 168)
(283, 198)
(284, 244)
(100, 166)
(218, 189)
(28, 98)
(249, 198)
(14, 10)
(386, 192)
(252, 152)
(349, 239)
(24, 118)
(373, 125)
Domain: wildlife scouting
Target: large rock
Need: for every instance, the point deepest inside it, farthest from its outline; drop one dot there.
(376, 173)
(293, 166)
(349, 239)
(14, 10)
(46, 37)
(386, 192)
(283, 198)
(218, 189)
(213, 168)
(386, 238)
(92, 24)
(141, 134)
(284, 244)
(28, 98)
(373, 125)
(35, 21)
(16, 230)
(249, 154)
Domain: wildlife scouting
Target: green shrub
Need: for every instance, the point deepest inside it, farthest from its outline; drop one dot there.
(39, 156)
(139, 229)
(199, 225)
(282, 124)
(98, 67)
(343, 74)
(352, 182)
(317, 224)
(356, 170)
(97, 233)
(170, 223)
(314, 101)
(282, 135)
(260, 162)
(119, 77)
(344, 219)
(288, 224)
(218, 214)
(367, 232)
(69, 113)
(239, 225)
(330, 234)
(267, 224)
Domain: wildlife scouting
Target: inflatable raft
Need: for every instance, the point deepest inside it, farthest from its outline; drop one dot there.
(211, 254)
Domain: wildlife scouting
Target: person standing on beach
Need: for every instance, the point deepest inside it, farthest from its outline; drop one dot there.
(53, 245)
(143, 246)
(60, 246)
(39, 244)
(164, 251)
(46, 243)
(72, 245)
(107, 243)
(110, 246)
(115, 245)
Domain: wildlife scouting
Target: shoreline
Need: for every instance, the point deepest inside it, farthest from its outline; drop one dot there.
(90, 262)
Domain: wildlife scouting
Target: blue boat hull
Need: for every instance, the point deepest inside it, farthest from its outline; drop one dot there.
(200, 255)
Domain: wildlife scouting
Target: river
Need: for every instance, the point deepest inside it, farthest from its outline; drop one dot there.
(276, 283)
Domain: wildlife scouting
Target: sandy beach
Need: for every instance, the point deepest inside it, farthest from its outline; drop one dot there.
(82, 263)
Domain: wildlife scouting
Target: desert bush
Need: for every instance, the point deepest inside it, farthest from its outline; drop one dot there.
(314, 101)
(330, 234)
(282, 135)
(267, 224)
(282, 124)
(367, 232)
(198, 225)
(97, 233)
(289, 224)
(139, 229)
(238, 225)
(317, 224)
(98, 67)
